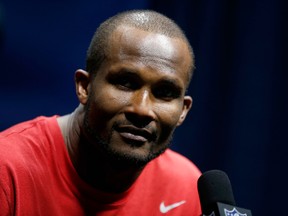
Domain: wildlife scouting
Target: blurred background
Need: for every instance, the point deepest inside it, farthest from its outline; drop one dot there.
(238, 122)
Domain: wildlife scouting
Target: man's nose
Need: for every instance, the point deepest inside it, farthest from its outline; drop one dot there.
(141, 107)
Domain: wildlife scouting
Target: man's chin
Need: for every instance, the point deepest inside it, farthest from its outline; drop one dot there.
(131, 158)
(125, 154)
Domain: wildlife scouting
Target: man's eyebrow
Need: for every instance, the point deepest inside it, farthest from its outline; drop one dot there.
(125, 70)
(171, 82)
(131, 72)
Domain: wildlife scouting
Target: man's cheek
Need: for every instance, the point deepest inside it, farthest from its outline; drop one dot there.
(169, 115)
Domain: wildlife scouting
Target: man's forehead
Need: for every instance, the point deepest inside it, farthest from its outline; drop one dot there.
(163, 52)
(149, 43)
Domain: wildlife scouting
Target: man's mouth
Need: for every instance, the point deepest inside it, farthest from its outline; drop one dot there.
(131, 133)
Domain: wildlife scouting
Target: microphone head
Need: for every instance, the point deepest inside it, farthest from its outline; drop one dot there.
(214, 186)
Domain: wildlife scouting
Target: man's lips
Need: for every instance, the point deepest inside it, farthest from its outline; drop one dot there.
(136, 134)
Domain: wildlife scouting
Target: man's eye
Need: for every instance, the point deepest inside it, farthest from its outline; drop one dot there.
(123, 81)
(166, 93)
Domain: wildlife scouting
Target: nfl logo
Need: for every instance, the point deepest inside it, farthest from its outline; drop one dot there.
(234, 212)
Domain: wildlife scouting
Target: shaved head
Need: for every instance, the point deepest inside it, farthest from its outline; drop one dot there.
(146, 20)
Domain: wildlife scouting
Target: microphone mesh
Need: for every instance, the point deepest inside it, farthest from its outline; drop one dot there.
(214, 186)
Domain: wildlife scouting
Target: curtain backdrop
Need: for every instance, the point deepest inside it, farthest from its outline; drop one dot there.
(238, 122)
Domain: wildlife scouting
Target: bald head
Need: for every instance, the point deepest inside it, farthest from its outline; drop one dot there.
(146, 20)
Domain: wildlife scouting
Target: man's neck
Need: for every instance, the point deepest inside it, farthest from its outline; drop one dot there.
(94, 167)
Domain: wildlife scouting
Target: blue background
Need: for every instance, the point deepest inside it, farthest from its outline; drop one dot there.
(238, 122)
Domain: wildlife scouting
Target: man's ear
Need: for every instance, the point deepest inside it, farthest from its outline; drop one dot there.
(82, 81)
(187, 104)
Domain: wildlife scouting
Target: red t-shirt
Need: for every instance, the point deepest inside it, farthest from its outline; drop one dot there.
(38, 178)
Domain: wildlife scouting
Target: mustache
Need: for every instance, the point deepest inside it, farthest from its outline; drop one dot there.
(126, 123)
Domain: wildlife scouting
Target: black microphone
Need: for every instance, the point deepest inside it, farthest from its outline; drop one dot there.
(216, 196)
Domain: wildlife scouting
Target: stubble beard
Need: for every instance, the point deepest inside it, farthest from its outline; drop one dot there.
(116, 158)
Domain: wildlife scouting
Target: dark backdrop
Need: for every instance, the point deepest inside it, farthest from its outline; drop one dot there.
(238, 122)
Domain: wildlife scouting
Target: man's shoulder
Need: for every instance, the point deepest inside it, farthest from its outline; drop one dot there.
(176, 165)
(23, 127)
(18, 140)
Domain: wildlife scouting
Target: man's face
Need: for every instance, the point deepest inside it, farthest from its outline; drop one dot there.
(137, 98)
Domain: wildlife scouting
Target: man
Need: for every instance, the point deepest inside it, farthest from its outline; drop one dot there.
(110, 156)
